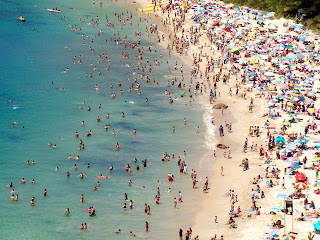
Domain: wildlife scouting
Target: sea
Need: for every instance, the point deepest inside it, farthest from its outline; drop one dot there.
(40, 98)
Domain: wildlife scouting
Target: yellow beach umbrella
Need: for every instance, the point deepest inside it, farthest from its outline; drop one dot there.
(276, 218)
(310, 110)
(290, 104)
(286, 123)
(290, 131)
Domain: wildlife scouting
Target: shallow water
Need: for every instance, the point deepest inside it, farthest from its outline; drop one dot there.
(30, 60)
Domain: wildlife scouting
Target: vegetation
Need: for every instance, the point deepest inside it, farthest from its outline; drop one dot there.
(304, 11)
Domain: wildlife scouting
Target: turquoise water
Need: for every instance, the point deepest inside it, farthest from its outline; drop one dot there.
(33, 58)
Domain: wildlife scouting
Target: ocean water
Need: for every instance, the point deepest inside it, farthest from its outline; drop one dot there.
(33, 55)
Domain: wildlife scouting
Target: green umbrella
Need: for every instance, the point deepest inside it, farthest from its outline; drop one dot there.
(288, 46)
(316, 159)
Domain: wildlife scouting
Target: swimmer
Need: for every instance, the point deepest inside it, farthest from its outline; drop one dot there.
(111, 168)
(92, 212)
(81, 175)
(45, 192)
(70, 157)
(49, 144)
(57, 168)
(98, 184)
(77, 158)
(82, 198)
(130, 182)
(32, 203)
(118, 232)
(23, 181)
(68, 174)
(66, 212)
(61, 139)
(32, 181)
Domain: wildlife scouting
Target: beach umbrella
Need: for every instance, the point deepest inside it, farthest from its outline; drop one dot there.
(300, 176)
(286, 150)
(290, 159)
(235, 49)
(316, 224)
(295, 165)
(290, 132)
(300, 185)
(286, 123)
(317, 184)
(280, 139)
(272, 126)
(310, 110)
(297, 154)
(290, 104)
(316, 159)
(303, 140)
(288, 237)
(276, 218)
(269, 74)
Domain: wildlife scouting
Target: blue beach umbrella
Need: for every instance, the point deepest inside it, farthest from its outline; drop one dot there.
(280, 139)
(316, 224)
(295, 165)
(303, 140)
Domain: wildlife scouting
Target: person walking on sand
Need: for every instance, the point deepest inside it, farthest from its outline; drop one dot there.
(221, 170)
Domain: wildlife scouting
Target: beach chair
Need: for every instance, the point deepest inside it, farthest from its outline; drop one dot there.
(272, 234)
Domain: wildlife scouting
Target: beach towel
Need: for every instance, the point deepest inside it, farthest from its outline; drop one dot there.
(272, 234)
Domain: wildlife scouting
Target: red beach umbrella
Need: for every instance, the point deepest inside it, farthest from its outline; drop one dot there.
(300, 176)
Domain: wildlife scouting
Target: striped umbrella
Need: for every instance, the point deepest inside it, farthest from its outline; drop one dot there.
(297, 154)
(288, 237)
(300, 185)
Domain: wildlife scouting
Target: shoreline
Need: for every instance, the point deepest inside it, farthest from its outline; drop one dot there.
(203, 220)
